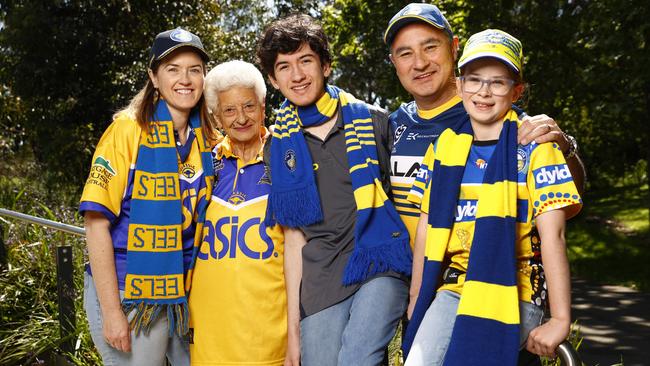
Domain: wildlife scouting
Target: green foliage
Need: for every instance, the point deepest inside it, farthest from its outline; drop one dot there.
(612, 231)
(28, 288)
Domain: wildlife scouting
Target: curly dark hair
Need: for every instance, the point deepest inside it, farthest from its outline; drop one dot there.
(287, 35)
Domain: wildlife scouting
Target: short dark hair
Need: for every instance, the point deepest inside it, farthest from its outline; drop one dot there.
(287, 35)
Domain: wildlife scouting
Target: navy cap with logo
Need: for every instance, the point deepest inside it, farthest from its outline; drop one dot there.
(416, 13)
(168, 41)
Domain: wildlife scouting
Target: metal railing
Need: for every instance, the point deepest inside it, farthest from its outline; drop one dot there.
(66, 291)
(64, 278)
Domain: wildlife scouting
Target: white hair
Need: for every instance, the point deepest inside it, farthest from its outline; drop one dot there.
(231, 74)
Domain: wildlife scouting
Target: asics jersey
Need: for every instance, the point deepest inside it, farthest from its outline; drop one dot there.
(238, 305)
(413, 131)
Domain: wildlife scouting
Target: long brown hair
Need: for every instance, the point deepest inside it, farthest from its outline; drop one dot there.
(142, 106)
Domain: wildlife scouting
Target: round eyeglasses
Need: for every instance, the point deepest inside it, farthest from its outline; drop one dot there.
(496, 87)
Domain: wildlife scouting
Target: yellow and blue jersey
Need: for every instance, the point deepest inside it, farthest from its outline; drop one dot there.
(544, 183)
(413, 131)
(109, 187)
(238, 305)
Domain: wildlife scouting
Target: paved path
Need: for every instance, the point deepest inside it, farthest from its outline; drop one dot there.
(615, 323)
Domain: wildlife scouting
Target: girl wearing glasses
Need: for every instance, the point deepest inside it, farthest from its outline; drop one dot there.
(487, 275)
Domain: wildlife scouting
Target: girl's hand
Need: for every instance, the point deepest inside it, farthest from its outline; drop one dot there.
(544, 339)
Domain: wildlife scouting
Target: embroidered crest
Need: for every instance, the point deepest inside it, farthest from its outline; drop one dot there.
(290, 160)
(188, 170)
(522, 159)
(181, 35)
(237, 198)
(481, 164)
(266, 177)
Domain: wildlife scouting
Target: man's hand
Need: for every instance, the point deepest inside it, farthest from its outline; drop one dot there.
(116, 330)
(541, 128)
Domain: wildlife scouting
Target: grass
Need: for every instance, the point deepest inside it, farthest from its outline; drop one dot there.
(608, 242)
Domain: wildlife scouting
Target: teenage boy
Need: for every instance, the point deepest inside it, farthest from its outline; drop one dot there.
(329, 170)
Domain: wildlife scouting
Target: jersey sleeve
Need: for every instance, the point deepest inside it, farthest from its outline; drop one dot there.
(550, 182)
(420, 190)
(108, 177)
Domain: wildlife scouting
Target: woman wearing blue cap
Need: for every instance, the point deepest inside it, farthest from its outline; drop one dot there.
(143, 202)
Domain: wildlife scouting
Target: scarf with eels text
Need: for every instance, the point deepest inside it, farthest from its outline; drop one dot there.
(381, 240)
(486, 331)
(155, 278)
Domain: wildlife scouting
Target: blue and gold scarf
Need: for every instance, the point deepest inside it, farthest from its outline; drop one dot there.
(381, 240)
(486, 331)
(155, 278)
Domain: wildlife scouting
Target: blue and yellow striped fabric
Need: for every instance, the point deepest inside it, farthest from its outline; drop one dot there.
(381, 239)
(155, 278)
(486, 331)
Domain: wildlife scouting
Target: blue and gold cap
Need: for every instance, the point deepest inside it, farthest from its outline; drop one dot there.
(170, 40)
(496, 44)
(414, 13)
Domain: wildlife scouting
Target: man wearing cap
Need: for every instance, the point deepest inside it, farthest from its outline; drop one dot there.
(423, 50)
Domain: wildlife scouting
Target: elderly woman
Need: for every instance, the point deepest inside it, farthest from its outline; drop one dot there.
(143, 202)
(238, 303)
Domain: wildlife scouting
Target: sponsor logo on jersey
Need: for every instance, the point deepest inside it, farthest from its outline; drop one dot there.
(101, 172)
(227, 238)
(551, 175)
(481, 164)
(405, 166)
(399, 131)
(217, 164)
(466, 210)
(290, 160)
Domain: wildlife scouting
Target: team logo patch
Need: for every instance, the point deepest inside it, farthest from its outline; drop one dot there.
(266, 177)
(181, 35)
(399, 131)
(237, 198)
(188, 170)
(522, 159)
(290, 160)
(481, 164)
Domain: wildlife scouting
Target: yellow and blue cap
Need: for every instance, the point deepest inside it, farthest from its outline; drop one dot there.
(497, 44)
(414, 13)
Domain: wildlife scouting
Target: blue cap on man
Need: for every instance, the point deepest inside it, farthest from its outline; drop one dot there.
(414, 13)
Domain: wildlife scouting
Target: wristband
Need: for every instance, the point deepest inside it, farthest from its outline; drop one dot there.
(573, 146)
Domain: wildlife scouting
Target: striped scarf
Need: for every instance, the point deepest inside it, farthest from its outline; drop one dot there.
(381, 240)
(155, 278)
(486, 331)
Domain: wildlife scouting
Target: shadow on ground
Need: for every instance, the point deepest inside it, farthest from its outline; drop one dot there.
(615, 324)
